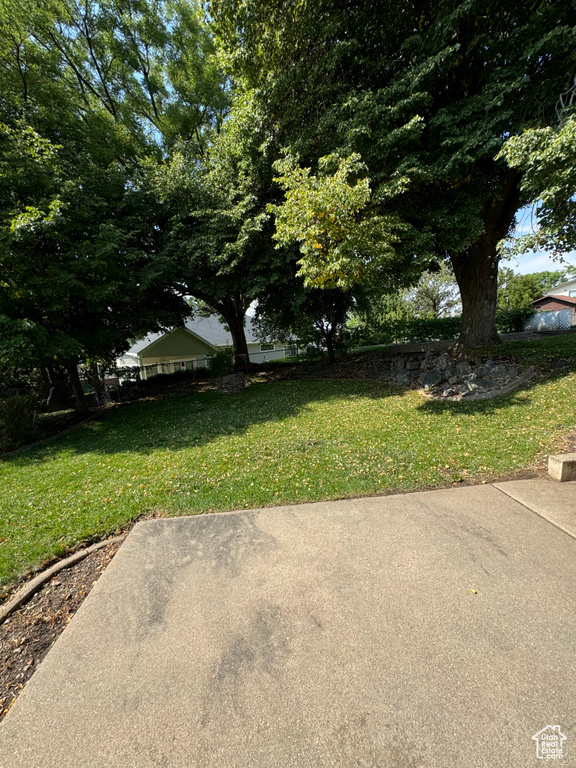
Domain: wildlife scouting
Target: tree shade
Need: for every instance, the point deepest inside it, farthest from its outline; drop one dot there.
(426, 94)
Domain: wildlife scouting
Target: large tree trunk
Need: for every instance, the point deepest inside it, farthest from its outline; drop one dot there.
(234, 313)
(79, 396)
(476, 269)
(476, 273)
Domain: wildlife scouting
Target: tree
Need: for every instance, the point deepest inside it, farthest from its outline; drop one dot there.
(375, 318)
(517, 291)
(311, 315)
(435, 294)
(546, 157)
(220, 231)
(426, 94)
(88, 92)
(80, 268)
(342, 243)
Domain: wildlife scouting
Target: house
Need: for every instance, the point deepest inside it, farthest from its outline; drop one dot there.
(553, 311)
(556, 310)
(564, 289)
(554, 302)
(190, 346)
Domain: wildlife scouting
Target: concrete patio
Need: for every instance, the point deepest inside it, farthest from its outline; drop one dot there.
(427, 630)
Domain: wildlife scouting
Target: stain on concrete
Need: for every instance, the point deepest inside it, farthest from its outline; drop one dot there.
(222, 543)
(261, 650)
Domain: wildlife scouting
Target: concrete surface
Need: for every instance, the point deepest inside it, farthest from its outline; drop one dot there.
(333, 634)
(553, 501)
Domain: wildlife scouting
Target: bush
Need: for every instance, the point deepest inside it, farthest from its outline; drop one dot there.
(512, 320)
(221, 363)
(17, 420)
(410, 329)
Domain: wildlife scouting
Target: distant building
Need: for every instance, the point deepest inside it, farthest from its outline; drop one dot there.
(190, 346)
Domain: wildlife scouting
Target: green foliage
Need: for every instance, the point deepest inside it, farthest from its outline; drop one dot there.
(220, 232)
(374, 317)
(546, 156)
(410, 89)
(310, 315)
(221, 363)
(88, 92)
(435, 294)
(342, 245)
(18, 424)
(407, 330)
(513, 320)
(517, 291)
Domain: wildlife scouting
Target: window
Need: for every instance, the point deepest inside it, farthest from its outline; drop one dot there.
(572, 294)
(266, 347)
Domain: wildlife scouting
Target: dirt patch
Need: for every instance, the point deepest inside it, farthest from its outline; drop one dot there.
(28, 634)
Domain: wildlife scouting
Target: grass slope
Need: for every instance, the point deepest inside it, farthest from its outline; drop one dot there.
(274, 444)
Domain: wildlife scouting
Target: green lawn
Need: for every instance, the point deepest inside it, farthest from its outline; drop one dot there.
(274, 444)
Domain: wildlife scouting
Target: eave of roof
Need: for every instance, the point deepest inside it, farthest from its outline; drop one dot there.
(567, 299)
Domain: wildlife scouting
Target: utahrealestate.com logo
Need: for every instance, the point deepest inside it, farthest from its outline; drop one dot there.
(549, 743)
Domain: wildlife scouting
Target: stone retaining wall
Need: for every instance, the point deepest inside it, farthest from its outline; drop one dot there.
(455, 378)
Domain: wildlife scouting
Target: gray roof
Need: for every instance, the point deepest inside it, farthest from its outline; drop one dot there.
(208, 328)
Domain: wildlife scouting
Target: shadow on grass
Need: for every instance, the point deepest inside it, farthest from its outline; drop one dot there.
(519, 398)
(191, 421)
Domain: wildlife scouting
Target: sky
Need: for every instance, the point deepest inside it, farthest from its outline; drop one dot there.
(534, 262)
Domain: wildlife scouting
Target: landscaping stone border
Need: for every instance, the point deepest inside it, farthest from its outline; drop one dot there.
(31, 587)
(528, 374)
(446, 377)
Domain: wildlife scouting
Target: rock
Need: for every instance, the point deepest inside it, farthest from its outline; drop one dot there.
(461, 389)
(511, 371)
(448, 393)
(489, 364)
(453, 380)
(398, 363)
(402, 378)
(412, 365)
(499, 371)
(472, 386)
(431, 378)
(376, 368)
(463, 368)
(443, 362)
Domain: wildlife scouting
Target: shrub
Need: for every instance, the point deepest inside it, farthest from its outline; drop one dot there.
(17, 420)
(221, 363)
(410, 329)
(512, 320)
